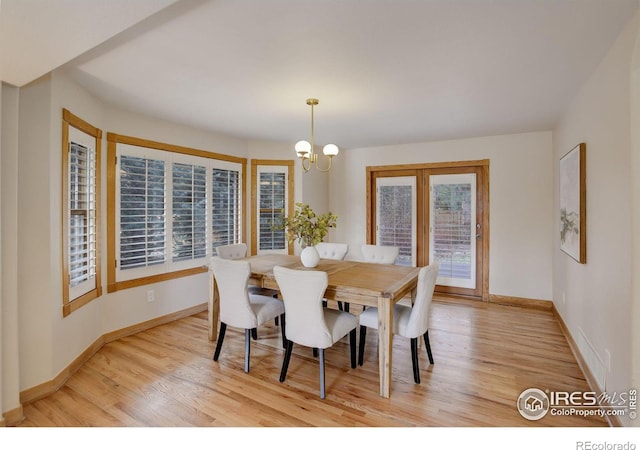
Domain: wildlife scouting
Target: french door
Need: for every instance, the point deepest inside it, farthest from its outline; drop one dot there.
(435, 212)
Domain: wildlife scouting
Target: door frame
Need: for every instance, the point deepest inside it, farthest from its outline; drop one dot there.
(421, 171)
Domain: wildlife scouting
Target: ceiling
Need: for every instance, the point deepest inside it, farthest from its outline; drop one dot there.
(385, 71)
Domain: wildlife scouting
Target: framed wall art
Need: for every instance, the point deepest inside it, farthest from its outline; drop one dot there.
(573, 236)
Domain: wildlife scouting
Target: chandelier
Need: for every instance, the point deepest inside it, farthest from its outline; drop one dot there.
(305, 150)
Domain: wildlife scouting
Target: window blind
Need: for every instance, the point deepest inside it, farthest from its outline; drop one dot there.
(142, 212)
(82, 215)
(172, 210)
(225, 207)
(272, 203)
(189, 211)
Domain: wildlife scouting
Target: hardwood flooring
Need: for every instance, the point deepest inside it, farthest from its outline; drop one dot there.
(485, 356)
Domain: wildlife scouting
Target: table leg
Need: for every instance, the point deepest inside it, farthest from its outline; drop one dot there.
(385, 343)
(214, 309)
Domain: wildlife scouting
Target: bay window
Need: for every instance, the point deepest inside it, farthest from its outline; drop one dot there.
(171, 207)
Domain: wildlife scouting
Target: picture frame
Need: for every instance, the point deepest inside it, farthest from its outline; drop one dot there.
(573, 232)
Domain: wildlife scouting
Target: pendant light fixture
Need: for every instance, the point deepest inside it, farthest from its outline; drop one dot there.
(306, 152)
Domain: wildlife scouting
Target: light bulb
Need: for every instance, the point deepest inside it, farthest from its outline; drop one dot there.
(330, 150)
(302, 148)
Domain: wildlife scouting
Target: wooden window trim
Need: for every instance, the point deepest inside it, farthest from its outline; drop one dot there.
(112, 140)
(254, 197)
(71, 120)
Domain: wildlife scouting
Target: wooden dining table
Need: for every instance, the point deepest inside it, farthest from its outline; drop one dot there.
(359, 283)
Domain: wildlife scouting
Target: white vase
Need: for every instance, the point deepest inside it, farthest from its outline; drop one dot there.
(310, 256)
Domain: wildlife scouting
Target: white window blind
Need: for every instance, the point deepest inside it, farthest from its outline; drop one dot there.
(82, 235)
(272, 206)
(173, 209)
(189, 204)
(396, 216)
(142, 212)
(225, 207)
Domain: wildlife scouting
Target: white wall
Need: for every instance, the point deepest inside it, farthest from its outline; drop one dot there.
(35, 288)
(9, 364)
(635, 208)
(598, 293)
(521, 218)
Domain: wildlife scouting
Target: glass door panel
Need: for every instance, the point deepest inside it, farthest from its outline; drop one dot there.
(452, 228)
(396, 216)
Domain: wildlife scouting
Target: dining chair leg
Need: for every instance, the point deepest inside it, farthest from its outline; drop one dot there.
(275, 320)
(254, 334)
(247, 348)
(315, 352)
(223, 328)
(285, 362)
(414, 360)
(363, 337)
(352, 344)
(340, 307)
(428, 346)
(282, 331)
(346, 307)
(322, 390)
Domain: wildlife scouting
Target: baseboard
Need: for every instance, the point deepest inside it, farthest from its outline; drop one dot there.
(49, 387)
(506, 300)
(142, 326)
(521, 301)
(12, 417)
(591, 380)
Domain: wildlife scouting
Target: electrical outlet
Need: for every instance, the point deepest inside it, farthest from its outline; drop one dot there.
(151, 295)
(607, 357)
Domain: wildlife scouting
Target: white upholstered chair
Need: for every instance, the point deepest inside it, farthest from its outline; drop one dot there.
(380, 254)
(232, 251)
(409, 322)
(334, 250)
(239, 251)
(239, 308)
(308, 323)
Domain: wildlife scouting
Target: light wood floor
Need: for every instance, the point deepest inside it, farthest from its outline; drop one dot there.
(485, 356)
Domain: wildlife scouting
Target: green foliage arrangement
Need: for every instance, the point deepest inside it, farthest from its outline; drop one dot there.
(306, 226)
(569, 221)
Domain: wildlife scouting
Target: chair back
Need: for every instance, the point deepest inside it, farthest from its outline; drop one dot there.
(419, 318)
(302, 292)
(380, 254)
(332, 250)
(232, 251)
(232, 278)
